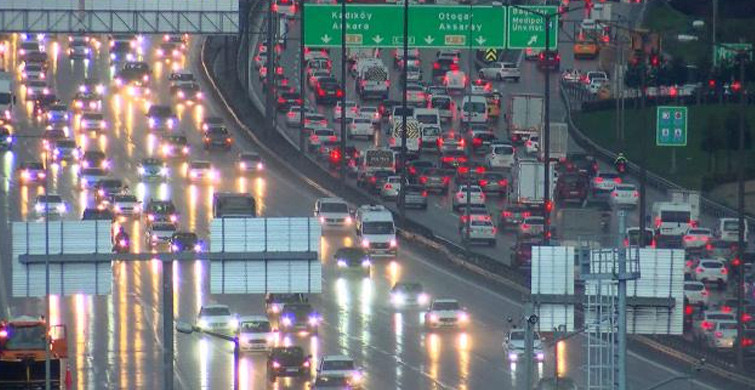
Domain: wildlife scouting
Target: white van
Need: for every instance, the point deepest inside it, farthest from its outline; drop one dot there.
(728, 229)
(256, 334)
(430, 135)
(376, 231)
(445, 106)
(672, 219)
(427, 116)
(474, 109)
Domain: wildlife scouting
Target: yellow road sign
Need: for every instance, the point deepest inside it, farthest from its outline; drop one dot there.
(491, 55)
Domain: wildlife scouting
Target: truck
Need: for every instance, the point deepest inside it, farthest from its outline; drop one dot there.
(559, 139)
(529, 186)
(675, 217)
(24, 342)
(372, 78)
(233, 205)
(7, 98)
(376, 159)
(413, 136)
(524, 115)
(602, 16)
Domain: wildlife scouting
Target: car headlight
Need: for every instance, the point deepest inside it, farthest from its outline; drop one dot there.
(242, 165)
(398, 299)
(434, 318)
(423, 299)
(142, 171)
(513, 356)
(341, 264)
(117, 208)
(260, 166)
(233, 323)
(540, 356)
(197, 248)
(393, 243)
(202, 324)
(39, 207)
(365, 243)
(286, 321)
(313, 320)
(151, 122)
(164, 171)
(348, 220)
(463, 317)
(366, 263)
(356, 377)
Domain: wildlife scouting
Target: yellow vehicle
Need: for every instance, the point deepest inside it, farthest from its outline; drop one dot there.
(586, 48)
(23, 345)
(494, 104)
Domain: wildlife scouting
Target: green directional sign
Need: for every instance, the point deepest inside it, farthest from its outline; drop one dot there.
(671, 126)
(728, 51)
(429, 26)
(527, 29)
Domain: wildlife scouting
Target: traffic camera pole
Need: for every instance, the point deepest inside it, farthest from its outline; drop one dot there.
(168, 322)
(302, 83)
(48, 384)
(741, 212)
(269, 77)
(530, 320)
(467, 236)
(622, 314)
(402, 187)
(643, 142)
(343, 93)
(546, 140)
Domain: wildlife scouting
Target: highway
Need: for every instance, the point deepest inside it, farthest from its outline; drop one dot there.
(116, 341)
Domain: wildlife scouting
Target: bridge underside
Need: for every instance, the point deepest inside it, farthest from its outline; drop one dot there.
(205, 22)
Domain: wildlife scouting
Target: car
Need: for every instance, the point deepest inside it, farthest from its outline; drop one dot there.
(514, 346)
(707, 322)
(174, 145)
(605, 182)
(161, 117)
(723, 335)
(168, 51)
(624, 195)
(256, 333)
(321, 136)
(57, 113)
(33, 71)
(372, 113)
(27, 47)
(408, 294)
(596, 85)
(160, 211)
(52, 205)
(531, 143)
(500, 156)
(493, 183)
(331, 383)
(481, 139)
(217, 317)
(210, 122)
(133, 73)
(95, 159)
(353, 260)
(453, 159)
(361, 127)
(444, 62)
(391, 187)
(217, 137)
(315, 76)
(460, 199)
(521, 251)
(288, 361)
(632, 237)
(314, 119)
(479, 230)
(62, 150)
(188, 93)
(415, 196)
(274, 302)
(588, 25)
(531, 226)
(581, 163)
(250, 162)
(451, 141)
(697, 238)
(159, 233)
(696, 293)
(125, 205)
(88, 177)
(728, 229)
(293, 115)
(455, 81)
(299, 317)
(435, 179)
(327, 92)
(373, 181)
(92, 121)
(571, 187)
(180, 78)
(105, 189)
(201, 170)
(712, 271)
(352, 109)
(185, 242)
(340, 366)
(92, 85)
(332, 212)
(501, 71)
(415, 95)
(6, 139)
(429, 136)
(549, 60)
(473, 212)
(152, 169)
(35, 88)
(79, 46)
(446, 313)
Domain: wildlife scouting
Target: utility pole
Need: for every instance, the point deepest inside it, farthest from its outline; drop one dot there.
(270, 76)
(303, 85)
(48, 384)
(405, 63)
(622, 320)
(530, 321)
(343, 93)
(741, 210)
(547, 140)
(643, 142)
(168, 323)
(715, 22)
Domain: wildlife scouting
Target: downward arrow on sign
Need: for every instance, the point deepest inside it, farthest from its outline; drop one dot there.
(377, 39)
(325, 38)
(480, 40)
(429, 40)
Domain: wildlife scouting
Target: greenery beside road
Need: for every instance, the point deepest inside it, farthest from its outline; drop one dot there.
(708, 159)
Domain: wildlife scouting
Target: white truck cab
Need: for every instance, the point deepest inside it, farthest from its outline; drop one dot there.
(672, 219)
(474, 109)
(728, 229)
(376, 231)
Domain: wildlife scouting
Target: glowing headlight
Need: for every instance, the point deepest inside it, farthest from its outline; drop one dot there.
(233, 323)
(314, 320)
(348, 220)
(423, 299)
(142, 171)
(260, 166)
(152, 122)
(365, 243)
(356, 377)
(39, 207)
(164, 171)
(366, 263)
(341, 264)
(398, 299)
(242, 165)
(393, 243)
(513, 356)
(174, 247)
(287, 321)
(197, 248)
(322, 221)
(463, 317)
(185, 150)
(540, 356)
(434, 318)
(117, 208)
(203, 324)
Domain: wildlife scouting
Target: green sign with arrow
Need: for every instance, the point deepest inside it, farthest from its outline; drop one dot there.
(429, 26)
(527, 29)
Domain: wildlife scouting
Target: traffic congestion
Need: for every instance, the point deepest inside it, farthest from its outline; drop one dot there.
(125, 128)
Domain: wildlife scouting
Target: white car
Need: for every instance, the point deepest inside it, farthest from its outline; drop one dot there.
(513, 346)
(340, 366)
(371, 112)
(405, 294)
(217, 317)
(256, 333)
(415, 95)
(321, 136)
(446, 313)
(361, 127)
(429, 134)
(708, 322)
(697, 238)
(723, 335)
(126, 204)
(532, 143)
(92, 121)
(293, 116)
(201, 170)
(455, 80)
(52, 205)
(479, 229)
(36, 88)
(352, 108)
(33, 72)
(696, 293)
(596, 75)
(391, 187)
(712, 271)
(624, 195)
(531, 226)
(477, 197)
(500, 71)
(605, 181)
(160, 232)
(595, 85)
(333, 212)
(501, 156)
(588, 25)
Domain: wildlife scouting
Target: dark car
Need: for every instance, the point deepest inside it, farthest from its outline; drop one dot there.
(161, 117)
(549, 60)
(514, 213)
(480, 140)
(435, 179)
(572, 187)
(6, 139)
(415, 196)
(328, 92)
(521, 252)
(443, 65)
(453, 158)
(105, 189)
(133, 72)
(92, 214)
(494, 183)
(188, 93)
(353, 260)
(94, 159)
(32, 172)
(748, 342)
(299, 317)
(413, 168)
(174, 145)
(469, 171)
(218, 137)
(374, 181)
(212, 121)
(581, 163)
(274, 302)
(161, 210)
(185, 242)
(286, 99)
(409, 294)
(287, 361)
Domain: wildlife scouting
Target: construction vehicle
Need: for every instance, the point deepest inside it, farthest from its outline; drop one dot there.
(23, 348)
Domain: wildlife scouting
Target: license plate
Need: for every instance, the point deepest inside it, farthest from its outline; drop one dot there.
(292, 370)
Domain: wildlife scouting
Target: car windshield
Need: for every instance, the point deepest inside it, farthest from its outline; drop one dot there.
(731, 225)
(124, 198)
(377, 228)
(410, 287)
(25, 338)
(728, 326)
(159, 111)
(675, 216)
(516, 336)
(162, 208)
(214, 311)
(297, 308)
(625, 187)
(474, 107)
(699, 232)
(289, 354)
(711, 264)
(188, 239)
(49, 199)
(693, 287)
(428, 119)
(334, 207)
(255, 326)
(508, 150)
(250, 157)
(176, 139)
(164, 227)
(720, 316)
(446, 306)
(338, 365)
(200, 165)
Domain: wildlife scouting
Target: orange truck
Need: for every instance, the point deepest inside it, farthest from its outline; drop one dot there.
(23, 344)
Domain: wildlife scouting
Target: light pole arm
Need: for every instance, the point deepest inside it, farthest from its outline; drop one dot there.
(669, 380)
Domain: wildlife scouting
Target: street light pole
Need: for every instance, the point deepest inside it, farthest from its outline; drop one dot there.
(48, 384)
(402, 187)
(343, 93)
(546, 140)
(741, 211)
(186, 328)
(302, 84)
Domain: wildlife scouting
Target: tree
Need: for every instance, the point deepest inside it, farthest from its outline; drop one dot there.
(712, 141)
(731, 125)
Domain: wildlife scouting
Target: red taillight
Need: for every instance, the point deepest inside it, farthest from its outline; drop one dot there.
(525, 226)
(503, 182)
(447, 159)
(617, 180)
(446, 179)
(483, 182)
(657, 222)
(373, 179)
(746, 317)
(747, 342)
(480, 169)
(332, 138)
(436, 66)
(526, 214)
(688, 310)
(726, 309)
(724, 271)
(388, 186)
(598, 179)
(423, 179)
(412, 170)
(719, 335)
(707, 325)
(699, 270)
(321, 92)
(339, 93)
(463, 170)
(281, 100)
(476, 141)
(424, 194)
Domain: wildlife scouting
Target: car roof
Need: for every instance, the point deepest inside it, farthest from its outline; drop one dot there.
(445, 300)
(215, 306)
(336, 358)
(253, 318)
